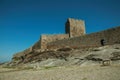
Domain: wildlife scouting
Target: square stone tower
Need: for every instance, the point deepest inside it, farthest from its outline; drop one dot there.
(74, 27)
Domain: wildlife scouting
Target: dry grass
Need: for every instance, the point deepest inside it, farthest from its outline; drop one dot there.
(65, 73)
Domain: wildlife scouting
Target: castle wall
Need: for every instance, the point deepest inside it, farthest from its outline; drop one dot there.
(37, 45)
(75, 28)
(50, 38)
(111, 36)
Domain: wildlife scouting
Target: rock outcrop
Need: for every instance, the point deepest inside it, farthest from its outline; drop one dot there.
(68, 56)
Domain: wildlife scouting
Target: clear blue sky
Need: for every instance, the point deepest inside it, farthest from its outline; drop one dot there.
(23, 21)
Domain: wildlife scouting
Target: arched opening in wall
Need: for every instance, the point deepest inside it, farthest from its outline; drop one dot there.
(67, 27)
(102, 42)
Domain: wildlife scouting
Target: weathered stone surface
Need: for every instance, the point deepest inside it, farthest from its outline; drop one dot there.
(75, 28)
(111, 36)
(45, 39)
(72, 56)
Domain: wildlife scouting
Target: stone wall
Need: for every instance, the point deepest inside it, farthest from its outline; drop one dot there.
(37, 45)
(111, 36)
(75, 27)
(51, 38)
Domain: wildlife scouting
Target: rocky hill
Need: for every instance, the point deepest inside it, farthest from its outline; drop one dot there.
(101, 63)
(68, 56)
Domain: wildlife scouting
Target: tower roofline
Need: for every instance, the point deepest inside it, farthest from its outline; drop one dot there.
(69, 19)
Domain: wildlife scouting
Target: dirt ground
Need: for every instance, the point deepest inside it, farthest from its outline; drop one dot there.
(95, 72)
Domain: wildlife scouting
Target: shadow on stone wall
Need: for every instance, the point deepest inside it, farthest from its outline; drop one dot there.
(111, 36)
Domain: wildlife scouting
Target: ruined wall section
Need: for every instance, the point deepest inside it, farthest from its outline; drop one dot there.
(37, 45)
(111, 36)
(51, 38)
(75, 27)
